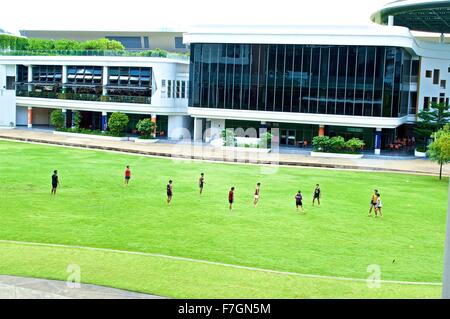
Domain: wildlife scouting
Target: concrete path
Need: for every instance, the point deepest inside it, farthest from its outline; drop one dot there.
(28, 288)
(206, 152)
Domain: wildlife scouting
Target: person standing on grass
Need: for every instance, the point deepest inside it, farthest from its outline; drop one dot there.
(298, 201)
(257, 191)
(316, 195)
(378, 206)
(55, 182)
(373, 202)
(231, 197)
(169, 192)
(201, 182)
(127, 175)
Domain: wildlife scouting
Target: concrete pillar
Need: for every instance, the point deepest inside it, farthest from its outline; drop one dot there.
(154, 121)
(391, 21)
(64, 78)
(442, 38)
(64, 112)
(105, 80)
(321, 130)
(30, 117)
(104, 121)
(198, 129)
(30, 77)
(377, 141)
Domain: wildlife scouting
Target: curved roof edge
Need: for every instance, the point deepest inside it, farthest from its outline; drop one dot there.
(407, 8)
(374, 35)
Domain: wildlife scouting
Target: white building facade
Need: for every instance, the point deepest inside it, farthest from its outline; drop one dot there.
(33, 86)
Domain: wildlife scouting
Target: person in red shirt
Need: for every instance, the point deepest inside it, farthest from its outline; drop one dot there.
(231, 197)
(127, 175)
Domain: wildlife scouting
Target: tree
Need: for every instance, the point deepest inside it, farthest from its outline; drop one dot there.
(117, 123)
(439, 149)
(431, 120)
(57, 119)
(146, 127)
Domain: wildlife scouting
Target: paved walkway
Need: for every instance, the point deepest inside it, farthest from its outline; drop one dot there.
(29, 288)
(207, 152)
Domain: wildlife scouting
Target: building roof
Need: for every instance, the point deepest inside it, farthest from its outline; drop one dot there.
(423, 15)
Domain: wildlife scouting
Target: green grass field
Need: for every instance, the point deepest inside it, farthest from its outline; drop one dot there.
(93, 208)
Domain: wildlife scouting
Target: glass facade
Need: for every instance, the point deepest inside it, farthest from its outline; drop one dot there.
(319, 79)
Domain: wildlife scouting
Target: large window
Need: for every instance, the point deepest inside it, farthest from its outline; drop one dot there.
(88, 75)
(323, 79)
(129, 81)
(22, 73)
(47, 74)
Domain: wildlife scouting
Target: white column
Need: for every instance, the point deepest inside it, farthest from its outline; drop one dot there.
(198, 129)
(64, 112)
(377, 144)
(390, 21)
(105, 80)
(30, 77)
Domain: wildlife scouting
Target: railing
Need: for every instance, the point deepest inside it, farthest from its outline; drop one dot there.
(86, 97)
(124, 53)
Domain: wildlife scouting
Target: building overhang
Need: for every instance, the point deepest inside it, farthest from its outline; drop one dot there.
(99, 106)
(88, 60)
(423, 15)
(372, 35)
(299, 118)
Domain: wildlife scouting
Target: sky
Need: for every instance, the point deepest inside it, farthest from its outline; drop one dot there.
(144, 15)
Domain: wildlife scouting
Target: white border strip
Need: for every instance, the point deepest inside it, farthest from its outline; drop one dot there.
(283, 273)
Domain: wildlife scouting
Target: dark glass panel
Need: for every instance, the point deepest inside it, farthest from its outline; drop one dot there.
(351, 80)
(305, 79)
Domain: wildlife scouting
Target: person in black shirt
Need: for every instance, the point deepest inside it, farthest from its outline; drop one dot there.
(201, 182)
(316, 194)
(55, 182)
(169, 192)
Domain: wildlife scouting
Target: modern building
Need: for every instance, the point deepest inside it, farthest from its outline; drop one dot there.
(366, 82)
(301, 81)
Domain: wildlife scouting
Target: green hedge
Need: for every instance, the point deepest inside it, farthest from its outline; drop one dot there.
(8, 42)
(337, 144)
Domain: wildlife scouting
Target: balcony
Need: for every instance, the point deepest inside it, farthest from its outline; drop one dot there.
(85, 97)
(109, 53)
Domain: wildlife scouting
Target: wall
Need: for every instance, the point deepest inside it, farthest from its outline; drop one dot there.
(426, 86)
(7, 97)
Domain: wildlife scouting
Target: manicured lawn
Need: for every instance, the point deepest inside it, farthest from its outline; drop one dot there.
(93, 208)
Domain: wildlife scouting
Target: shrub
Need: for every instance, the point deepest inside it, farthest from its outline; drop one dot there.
(76, 119)
(321, 143)
(146, 127)
(57, 119)
(354, 145)
(229, 137)
(117, 123)
(337, 144)
(266, 140)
